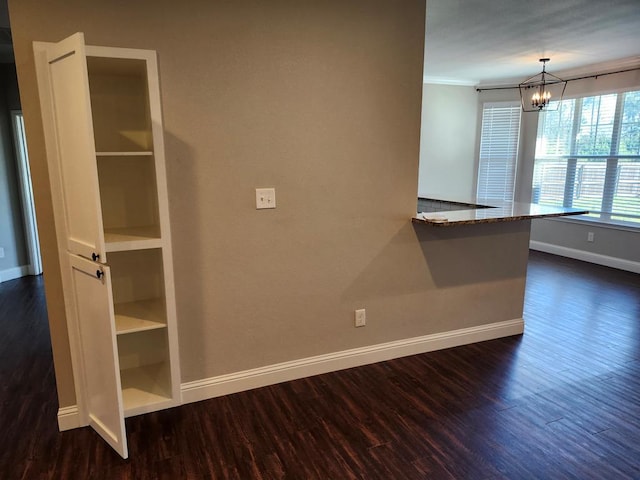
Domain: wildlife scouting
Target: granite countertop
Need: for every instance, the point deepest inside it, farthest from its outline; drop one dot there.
(447, 213)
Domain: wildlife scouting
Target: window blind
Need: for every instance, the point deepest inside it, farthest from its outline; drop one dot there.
(588, 156)
(499, 140)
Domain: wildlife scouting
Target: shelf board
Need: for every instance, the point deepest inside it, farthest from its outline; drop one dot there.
(132, 238)
(145, 386)
(104, 64)
(139, 316)
(125, 154)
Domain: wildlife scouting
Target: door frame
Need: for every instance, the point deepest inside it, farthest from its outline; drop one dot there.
(26, 193)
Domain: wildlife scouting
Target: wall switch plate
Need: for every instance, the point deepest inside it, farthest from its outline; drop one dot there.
(590, 237)
(361, 317)
(265, 198)
(1, 252)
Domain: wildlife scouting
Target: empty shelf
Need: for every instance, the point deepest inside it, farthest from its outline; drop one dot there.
(139, 316)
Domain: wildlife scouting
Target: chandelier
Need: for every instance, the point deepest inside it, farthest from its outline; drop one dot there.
(543, 91)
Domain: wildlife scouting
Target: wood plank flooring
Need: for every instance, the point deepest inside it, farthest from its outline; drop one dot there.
(560, 402)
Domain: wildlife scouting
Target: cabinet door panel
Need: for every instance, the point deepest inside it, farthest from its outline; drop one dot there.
(96, 324)
(69, 83)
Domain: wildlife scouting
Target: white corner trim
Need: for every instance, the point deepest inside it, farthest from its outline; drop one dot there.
(607, 261)
(306, 367)
(68, 418)
(15, 272)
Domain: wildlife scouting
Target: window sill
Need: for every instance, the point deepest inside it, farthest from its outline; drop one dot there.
(585, 221)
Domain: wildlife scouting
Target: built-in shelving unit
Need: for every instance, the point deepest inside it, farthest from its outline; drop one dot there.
(127, 167)
(108, 180)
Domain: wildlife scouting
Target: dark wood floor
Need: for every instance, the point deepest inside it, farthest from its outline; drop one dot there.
(562, 401)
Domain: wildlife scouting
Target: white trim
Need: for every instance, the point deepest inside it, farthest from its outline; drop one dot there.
(428, 79)
(26, 193)
(568, 73)
(607, 261)
(69, 418)
(600, 68)
(282, 372)
(15, 272)
(587, 221)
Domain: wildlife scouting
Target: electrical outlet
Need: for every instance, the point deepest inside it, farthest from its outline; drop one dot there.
(265, 198)
(1, 252)
(361, 317)
(590, 237)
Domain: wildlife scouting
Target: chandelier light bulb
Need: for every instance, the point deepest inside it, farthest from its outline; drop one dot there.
(540, 100)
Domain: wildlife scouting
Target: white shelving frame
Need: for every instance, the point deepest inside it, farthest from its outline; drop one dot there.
(143, 325)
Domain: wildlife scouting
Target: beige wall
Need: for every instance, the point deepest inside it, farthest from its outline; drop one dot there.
(321, 100)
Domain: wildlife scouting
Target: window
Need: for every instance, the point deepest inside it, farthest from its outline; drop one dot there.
(588, 156)
(498, 150)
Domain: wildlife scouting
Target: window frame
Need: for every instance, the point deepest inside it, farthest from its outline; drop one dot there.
(610, 182)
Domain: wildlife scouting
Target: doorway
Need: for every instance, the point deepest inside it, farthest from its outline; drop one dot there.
(26, 194)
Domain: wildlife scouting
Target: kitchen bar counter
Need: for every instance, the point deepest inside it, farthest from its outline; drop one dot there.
(448, 213)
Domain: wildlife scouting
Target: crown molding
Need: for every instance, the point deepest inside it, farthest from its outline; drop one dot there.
(448, 81)
(600, 68)
(572, 73)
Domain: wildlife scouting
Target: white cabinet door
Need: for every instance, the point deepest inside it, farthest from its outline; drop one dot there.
(96, 323)
(69, 88)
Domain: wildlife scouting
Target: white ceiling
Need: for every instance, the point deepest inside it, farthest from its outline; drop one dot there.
(496, 41)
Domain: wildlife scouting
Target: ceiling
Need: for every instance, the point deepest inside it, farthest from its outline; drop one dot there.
(472, 42)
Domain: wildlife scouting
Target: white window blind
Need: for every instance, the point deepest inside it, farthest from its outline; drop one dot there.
(498, 151)
(588, 156)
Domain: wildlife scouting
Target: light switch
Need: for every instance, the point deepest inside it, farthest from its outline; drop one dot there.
(265, 198)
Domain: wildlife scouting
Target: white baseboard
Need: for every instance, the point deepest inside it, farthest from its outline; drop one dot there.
(306, 367)
(31, 270)
(13, 273)
(607, 261)
(68, 418)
